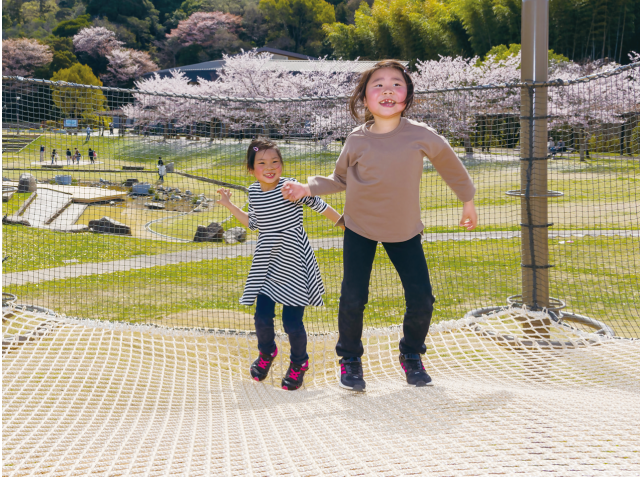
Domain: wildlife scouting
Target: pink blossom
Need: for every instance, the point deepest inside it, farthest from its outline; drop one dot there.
(201, 28)
(96, 41)
(452, 111)
(126, 64)
(22, 56)
(253, 75)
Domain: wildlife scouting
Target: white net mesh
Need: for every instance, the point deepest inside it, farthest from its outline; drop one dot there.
(93, 398)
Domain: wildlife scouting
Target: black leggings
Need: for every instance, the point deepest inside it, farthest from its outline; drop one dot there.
(408, 259)
(292, 323)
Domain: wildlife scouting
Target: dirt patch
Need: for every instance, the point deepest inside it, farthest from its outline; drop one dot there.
(208, 318)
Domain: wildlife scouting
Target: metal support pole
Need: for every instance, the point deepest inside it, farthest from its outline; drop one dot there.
(533, 152)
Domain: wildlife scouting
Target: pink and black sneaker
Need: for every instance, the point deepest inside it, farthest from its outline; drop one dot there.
(260, 368)
(295, 376)
(351, 376)
(414, 370)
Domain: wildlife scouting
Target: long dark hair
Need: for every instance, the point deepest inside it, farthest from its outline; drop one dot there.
(260, 144)
(356, 103)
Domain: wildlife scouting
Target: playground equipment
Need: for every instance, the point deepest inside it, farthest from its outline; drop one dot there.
(142, 370)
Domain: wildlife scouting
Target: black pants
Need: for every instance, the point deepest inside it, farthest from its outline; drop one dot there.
(293, 326)
(408, 259)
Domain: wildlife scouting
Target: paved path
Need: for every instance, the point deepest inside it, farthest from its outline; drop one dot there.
(246, 249)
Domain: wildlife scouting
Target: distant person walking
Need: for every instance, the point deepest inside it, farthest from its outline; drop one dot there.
(54, 157)
(77, 156)
(162, 169)
(110, 128)
(91, 156)
(69, 158)
(41, 153)
(88, 134)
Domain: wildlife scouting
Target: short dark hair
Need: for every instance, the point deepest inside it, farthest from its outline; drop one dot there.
(357, 97)
(260, 144)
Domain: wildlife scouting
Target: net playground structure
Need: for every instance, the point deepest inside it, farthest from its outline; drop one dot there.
(127, 354)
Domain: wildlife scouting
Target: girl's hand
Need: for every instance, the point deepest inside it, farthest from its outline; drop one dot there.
(225, 197)
(295, 191)
(469, 218)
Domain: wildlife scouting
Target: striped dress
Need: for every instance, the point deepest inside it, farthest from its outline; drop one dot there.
(284, 267)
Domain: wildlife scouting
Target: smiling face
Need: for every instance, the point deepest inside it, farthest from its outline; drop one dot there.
(267, 168)
(386, 93)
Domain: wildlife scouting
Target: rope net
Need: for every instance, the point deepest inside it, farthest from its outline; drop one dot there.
(160, 385)
(97, 398)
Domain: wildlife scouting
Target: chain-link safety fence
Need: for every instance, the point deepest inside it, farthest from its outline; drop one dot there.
(91, 231)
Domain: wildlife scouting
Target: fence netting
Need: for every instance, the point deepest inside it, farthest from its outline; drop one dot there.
(99, 235)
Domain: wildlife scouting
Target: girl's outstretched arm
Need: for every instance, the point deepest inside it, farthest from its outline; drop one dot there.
(225, 201)
(332, 215)
(469, 218)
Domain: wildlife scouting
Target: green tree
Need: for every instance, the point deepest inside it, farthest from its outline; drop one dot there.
(237, 7)
(407, 29)
(302, 20)
(488, 23)
(166, 8)
(502, 52)
(61, 60)
(79, 102)
(138, 16)
(59, 44)
(594, 29)
(14, 10)
(68, 28)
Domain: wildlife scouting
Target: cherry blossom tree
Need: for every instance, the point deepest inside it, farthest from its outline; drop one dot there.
(454, 104)
(126, 64)
(22, 56)
(201, 28)
(582, 107)
(253, 75)
(95, 41)
(459, 113)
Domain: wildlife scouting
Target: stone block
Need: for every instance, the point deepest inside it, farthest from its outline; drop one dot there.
(235, 235)
(27, 183)
(108, 225)
(213, 233)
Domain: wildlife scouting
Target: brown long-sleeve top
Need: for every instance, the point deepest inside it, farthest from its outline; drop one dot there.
(381, 174)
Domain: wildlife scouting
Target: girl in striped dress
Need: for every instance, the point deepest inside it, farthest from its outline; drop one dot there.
(284, 268)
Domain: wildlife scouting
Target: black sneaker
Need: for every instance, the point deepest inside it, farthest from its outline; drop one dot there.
(294, 377)
(260, 368)
(351, 376)
(413, 368)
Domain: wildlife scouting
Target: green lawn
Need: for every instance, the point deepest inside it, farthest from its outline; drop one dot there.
(32, 248)
(465, 275)
(14, 203)
(609, 180)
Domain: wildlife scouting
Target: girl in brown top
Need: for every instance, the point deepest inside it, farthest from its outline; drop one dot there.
(380, 168)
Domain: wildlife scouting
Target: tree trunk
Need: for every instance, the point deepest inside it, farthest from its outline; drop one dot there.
(468, 148)
(581, 143)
